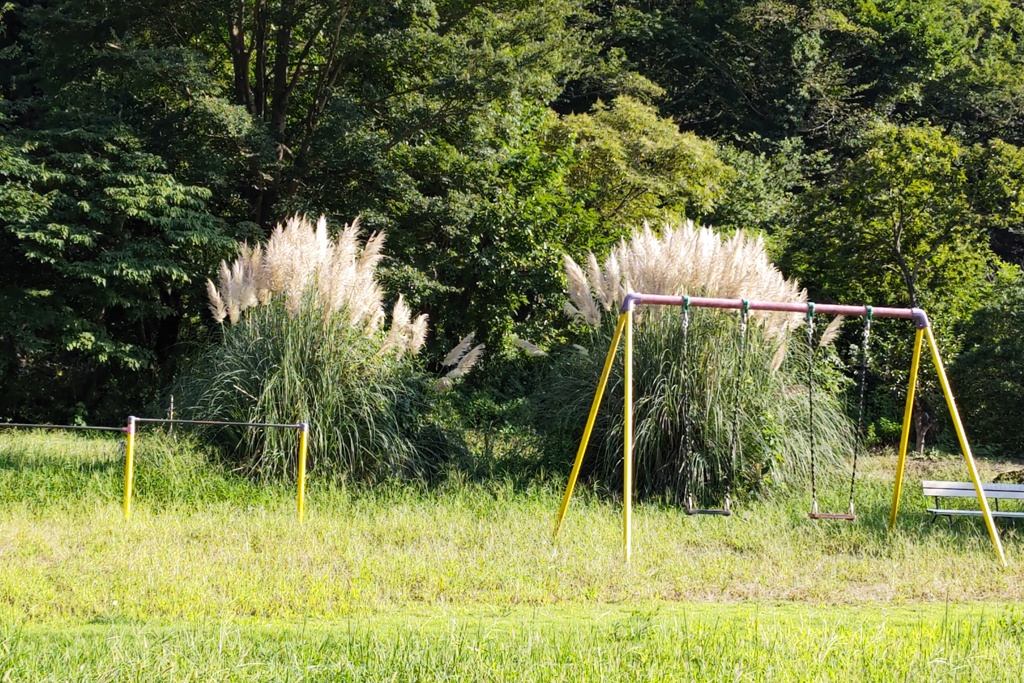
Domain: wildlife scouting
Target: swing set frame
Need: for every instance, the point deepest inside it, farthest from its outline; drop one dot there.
(624, 331)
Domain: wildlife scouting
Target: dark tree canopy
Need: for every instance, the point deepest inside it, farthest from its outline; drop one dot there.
(876, 144)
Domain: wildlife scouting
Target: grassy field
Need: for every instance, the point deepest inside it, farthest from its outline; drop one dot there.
(213, 579)
(665, 642)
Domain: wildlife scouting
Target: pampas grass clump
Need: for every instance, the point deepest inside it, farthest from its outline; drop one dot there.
(306, 338)
(689, 394)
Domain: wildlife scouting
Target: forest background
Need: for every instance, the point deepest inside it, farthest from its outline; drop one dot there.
(876, 145)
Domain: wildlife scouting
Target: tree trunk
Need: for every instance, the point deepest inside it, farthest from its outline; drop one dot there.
(924, 420)
(240, 57)
(279, 78)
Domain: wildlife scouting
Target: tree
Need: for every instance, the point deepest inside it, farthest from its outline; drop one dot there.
(997, 185)
(488, 222)
(958, 65)
(988, 373)
(257, 109)
(820, 69)
(740, 68)
(477, 230)
(898, 224)
(99, 247)
(632, 165)
(299, 96)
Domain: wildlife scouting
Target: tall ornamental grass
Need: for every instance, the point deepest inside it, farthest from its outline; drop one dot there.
(305, 338)
(713, 414)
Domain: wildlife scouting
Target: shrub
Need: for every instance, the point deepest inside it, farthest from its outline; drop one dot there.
(716, 383)
(305, 340)
(988, 375)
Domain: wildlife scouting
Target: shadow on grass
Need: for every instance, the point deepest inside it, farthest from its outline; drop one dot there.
(42, 481)
(62, 465)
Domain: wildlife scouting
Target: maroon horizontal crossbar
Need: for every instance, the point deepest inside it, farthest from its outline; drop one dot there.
(917, 315)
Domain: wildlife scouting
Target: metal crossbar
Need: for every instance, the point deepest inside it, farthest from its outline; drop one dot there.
(167, 420)
(917, 315)
(25, 425)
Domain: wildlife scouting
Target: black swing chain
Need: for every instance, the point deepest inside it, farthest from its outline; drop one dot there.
(864, 360)
(810, 400)
(735, 452)
(687, 446)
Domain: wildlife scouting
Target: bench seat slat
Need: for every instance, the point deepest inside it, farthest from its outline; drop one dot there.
(975, 513)
(968, 485)
(961, 489)
(1000, 495)
(965, 489)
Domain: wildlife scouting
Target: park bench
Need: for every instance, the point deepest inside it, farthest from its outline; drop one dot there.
(965, 489)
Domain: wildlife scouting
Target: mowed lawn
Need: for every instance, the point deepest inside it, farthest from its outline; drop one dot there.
(214, 579)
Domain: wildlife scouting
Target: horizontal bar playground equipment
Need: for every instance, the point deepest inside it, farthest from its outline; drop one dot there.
(132, 428)
(624, 329)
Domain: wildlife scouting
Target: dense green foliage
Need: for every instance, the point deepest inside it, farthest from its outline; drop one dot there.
(99, 246)
(818, 69)
(989, 374)
(877, 144)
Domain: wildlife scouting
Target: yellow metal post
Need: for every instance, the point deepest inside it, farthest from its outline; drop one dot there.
(627, 441)
(965, 447)
(129, 466)
(303, 444)
(602, 383)
(908, 412)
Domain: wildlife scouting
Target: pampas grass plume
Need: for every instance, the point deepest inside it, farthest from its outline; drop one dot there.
(682, 260)
(832, 331)
(531, 350)
(467, 362)
(301, 263)
(217, 306)
(456, 354)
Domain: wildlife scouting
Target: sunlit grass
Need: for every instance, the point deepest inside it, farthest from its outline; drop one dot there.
(679, 642)
(224, 547)
(214, 579)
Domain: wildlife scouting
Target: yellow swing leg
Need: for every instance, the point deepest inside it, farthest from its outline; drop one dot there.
(922, 334)
(908, 412)
(129, 465)
(966, 448)
(627, 441)
(591, 418)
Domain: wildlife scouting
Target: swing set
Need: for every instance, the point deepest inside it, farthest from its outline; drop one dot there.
(624, 331)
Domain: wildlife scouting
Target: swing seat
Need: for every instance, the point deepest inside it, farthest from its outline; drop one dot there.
(847, 516)
(710, 511)
(843, 516)
(721, 512)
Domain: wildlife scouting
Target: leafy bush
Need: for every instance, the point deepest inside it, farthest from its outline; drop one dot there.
(699, 387)
(306, 342)
(988, 375)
